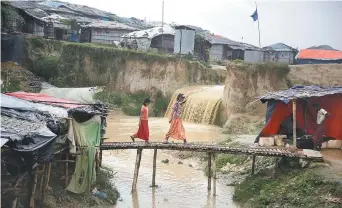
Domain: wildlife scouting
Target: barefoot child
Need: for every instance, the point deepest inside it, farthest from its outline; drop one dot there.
(143, 131)
(177, 130)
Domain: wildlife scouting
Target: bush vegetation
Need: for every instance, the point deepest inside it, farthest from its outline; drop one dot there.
(104, 183)
(296, 188)
(130, 103)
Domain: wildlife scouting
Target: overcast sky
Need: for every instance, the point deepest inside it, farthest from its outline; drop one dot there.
(297, 23)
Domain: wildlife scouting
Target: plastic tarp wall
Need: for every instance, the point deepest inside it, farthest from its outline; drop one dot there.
(331, 103)
(12, 48)
(81, 95)
(87, 134)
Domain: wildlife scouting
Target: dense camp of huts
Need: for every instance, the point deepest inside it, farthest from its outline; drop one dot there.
(45, 139)
(77, 23)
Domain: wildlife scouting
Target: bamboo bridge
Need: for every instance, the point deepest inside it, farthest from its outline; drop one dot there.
(211, 150)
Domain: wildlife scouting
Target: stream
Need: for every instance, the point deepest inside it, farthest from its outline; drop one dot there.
(179, 185)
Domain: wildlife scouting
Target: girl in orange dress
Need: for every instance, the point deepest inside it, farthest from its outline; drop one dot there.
(143, 131)
(177, 130)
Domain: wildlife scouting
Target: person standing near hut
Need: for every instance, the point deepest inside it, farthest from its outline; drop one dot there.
(143, 131)
(320, 130)
(176, 130)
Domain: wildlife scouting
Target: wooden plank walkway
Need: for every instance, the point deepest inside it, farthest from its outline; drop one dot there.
(257, 151)
(211, 150)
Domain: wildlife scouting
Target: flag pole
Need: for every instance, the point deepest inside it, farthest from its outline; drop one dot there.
(256, 6)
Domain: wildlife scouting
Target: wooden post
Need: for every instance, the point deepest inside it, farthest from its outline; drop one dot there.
(33, 195)
(253, 164)
(42, 177)
(136, 170)
(66, 171)
(209, 171)
(214, 174)
(154, 168)
(14, 202)
(294, 123)
(276, 167)
(100, 158)
(97, 163)
(139, 163)
(48, 176)
(46, 179)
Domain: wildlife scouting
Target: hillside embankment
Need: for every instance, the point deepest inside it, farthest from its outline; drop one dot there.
(128, 76)
(245, 82)
(83, 64)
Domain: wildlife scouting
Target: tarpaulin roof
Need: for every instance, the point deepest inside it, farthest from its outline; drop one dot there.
(11, 102)
(45, 99)
(81, 95)
(151, 33)
(300, 92)
(319, 54)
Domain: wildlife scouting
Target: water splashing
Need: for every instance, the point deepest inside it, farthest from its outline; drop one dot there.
(202, 103)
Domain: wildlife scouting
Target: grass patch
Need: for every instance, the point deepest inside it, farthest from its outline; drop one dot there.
(104, 184)
(298, 188)
(281, 69)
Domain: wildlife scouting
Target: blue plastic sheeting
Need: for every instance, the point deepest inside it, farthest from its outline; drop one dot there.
(300, 92)
(270, 108)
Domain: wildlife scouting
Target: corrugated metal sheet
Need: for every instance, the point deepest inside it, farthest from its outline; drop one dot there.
(184, 41)
(216, 52)
(252, 56)
(300, 92)
(107, 36)
(319, 54)
(280, 47)
(109, 25)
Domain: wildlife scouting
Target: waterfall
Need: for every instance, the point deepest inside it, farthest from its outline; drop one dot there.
(202, 103)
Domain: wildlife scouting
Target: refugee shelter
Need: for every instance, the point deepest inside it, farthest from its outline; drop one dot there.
(184, 40)
(37, 133)
(280, 53)
(294, 107)
(157, 39)
(316, 56)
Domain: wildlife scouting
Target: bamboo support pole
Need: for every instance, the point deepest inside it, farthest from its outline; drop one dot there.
(66, 171)
(46, 179)
(42, 178)
(276, 167)
(139, 162)
(14, 203)
(97, 162)
(209, 171)
(100, 158)
(294, 123)
(214, 174)
(253, 164)
(136, 170)
(33, 193)
(154, 168)
(48, 176)
(64, 161)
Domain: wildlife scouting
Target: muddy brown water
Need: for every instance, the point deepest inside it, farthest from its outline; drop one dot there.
(180, 185)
